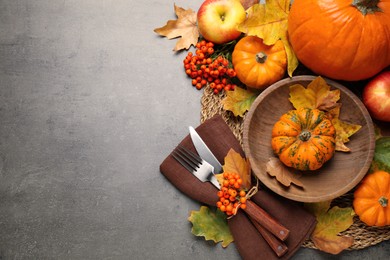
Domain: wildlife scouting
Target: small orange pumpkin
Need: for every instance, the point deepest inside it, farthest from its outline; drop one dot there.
(258, 65)
(304, 139)
(371, 199)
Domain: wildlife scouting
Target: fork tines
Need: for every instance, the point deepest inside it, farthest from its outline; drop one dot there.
(187, 158)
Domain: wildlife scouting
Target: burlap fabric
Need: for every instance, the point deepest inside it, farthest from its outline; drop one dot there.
(364, 236)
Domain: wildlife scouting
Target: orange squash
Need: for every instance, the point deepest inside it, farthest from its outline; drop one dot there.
(304, 139)
(258, 65)
(371, 199)
(341, 39)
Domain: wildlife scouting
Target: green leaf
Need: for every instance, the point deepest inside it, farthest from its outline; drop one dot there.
(211, 225)
(381, 159)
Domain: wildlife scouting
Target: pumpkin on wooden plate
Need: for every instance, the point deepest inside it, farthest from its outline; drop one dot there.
(341, 39)
(304, 139)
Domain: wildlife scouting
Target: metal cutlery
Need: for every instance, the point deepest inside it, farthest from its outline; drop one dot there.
(268, 227)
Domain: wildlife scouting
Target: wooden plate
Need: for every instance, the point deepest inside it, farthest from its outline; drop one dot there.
(340, 174)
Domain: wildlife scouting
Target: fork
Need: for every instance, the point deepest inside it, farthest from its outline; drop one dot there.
(196, 165)
(268, 227)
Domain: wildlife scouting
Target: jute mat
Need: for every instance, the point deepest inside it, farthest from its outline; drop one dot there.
(364, 236)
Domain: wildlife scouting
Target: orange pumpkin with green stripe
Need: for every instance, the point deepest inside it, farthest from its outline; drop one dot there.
(304, 139)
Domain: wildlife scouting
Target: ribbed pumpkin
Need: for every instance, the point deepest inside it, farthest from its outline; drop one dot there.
(341, 39)
(304, 139)
(259, 65)
(371, 199)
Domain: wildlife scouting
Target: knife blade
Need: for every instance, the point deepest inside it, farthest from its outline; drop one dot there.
(256, 213)
(203, 151)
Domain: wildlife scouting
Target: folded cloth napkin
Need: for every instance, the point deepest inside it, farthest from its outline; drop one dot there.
(249, 242)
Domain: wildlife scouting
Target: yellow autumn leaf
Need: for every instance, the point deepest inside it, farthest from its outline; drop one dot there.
(185, 27)
(344, 130)
(316, 95)
(239, 100)
(269, 22)
(330, 223)
(234, 163)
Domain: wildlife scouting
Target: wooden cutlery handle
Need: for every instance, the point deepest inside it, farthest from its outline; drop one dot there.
(277, 246)
(266, 220)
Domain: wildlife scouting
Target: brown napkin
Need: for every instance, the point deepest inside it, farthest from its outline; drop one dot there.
(249, 242)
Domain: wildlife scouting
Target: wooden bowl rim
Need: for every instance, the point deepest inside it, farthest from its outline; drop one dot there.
(371, 137)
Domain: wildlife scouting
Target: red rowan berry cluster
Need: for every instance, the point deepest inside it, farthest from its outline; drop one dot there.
(207, 68)
(231, 196)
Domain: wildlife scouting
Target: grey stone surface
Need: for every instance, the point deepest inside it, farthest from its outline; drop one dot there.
(91, 102)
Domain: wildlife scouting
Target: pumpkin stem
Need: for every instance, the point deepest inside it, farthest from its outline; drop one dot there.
(261, 57)
(383, 201)
(367, 6)
(305, 135)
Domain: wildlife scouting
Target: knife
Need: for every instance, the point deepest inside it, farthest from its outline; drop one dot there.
(261, 219)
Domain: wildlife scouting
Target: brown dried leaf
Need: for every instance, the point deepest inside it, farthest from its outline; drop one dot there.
(184, 27)
(283, 174)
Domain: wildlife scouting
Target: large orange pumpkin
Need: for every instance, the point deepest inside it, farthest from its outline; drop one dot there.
(341, 39)
(259, 65)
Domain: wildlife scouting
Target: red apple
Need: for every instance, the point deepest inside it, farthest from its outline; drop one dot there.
(218, 20)
(376, 96)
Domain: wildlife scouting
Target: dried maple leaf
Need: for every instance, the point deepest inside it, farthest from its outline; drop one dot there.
(210, 225)
(344, 130)
(284, 175)
(184, 27)
(239, 101)
(234, 163)
(316, 95)
(330, 222)
(269, 22)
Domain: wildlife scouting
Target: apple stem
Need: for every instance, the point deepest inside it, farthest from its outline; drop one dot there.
(261, 57)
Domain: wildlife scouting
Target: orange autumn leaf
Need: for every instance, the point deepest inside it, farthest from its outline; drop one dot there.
(283, 174)
(184, 27)
(330, 222)
(344, 130)
(239, 101)
(234, 163)
(317, 95)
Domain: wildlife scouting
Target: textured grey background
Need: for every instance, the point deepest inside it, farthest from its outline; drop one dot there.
(91, 102)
